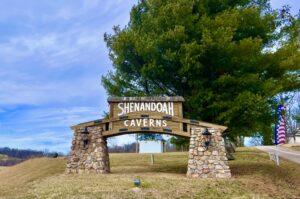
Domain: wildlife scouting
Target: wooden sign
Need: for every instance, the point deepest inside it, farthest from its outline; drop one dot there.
(137, 106)
(146, 114)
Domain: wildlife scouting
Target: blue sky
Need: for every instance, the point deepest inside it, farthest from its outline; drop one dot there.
(52, 56)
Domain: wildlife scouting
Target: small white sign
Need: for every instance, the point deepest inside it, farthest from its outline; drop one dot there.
(274, 156)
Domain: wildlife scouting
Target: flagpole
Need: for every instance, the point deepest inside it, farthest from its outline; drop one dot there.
(276, 137)
(277, 157)
(280, 129)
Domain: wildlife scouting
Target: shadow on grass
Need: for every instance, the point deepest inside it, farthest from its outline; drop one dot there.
(175, 163)
(182, 169)
(158, 168)
(267, 170)
(241, 169)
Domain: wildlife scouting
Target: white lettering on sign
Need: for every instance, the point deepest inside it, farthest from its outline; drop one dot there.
(145, 123)
(161, 107)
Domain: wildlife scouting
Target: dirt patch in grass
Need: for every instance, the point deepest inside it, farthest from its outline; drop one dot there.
(254, 176)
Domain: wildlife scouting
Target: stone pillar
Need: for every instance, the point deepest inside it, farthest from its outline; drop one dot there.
(207, 163)
(89, 153)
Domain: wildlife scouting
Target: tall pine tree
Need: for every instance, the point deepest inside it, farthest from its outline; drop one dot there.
(228, 59)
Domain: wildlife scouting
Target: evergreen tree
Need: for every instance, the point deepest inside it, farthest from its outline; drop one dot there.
(228, 59)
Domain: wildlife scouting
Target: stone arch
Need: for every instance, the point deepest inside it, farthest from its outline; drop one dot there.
(89, 152)
(203, 163)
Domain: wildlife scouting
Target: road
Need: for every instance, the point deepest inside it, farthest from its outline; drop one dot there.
(283, 152)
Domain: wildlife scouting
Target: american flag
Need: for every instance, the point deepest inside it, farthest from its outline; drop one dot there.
(280, 126)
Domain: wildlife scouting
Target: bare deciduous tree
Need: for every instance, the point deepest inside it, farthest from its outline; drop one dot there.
(293, 117)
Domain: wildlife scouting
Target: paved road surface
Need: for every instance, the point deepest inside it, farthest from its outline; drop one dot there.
(283, 152)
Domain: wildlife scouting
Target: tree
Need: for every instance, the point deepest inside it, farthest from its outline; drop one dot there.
(228, 59)
(180, 143)
(148, 136)
(293, 117)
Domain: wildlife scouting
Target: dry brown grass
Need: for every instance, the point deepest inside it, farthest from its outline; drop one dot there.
(296, 148)
(17, 178)
(2, 168)
(254, 176)
(3, 157)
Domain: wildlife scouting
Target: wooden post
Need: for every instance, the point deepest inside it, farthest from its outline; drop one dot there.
(152, 159)
(277, 157)
(136, 143)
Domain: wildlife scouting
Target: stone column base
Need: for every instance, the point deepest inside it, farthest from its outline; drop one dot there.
(207, 163)
(88, 155)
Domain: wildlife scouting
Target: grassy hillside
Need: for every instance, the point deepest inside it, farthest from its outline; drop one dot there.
(3, 157)
(254, 176)
(6, 160)
(2, 168)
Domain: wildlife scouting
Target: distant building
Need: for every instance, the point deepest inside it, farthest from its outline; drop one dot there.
(294, 139)
(155, 145)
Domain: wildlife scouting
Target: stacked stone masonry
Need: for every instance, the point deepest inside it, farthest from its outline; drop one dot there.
(89, 153)
(207, 163)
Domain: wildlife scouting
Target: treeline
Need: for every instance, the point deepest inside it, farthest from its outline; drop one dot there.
(10, 162)
(21, 153)
(126, 148)
(16, 156)
(133, 148)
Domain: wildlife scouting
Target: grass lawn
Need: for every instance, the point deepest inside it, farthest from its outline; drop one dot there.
(296, 148)
(254, 176)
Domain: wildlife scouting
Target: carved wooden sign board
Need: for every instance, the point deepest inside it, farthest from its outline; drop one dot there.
(146, 114)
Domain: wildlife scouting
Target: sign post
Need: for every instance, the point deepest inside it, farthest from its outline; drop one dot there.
(152, 159)
(274, 156)
(277, 157)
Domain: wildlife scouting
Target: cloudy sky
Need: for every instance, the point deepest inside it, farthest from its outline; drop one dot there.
(52, 56)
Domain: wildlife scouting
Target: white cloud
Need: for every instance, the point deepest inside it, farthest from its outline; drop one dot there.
(72, 31)
(53, 49)
(277, 4)
(52, 141)
(41, 128)
(44, 90)
(32, 65)
(58, 117)
(50, 61)
(90, 4)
